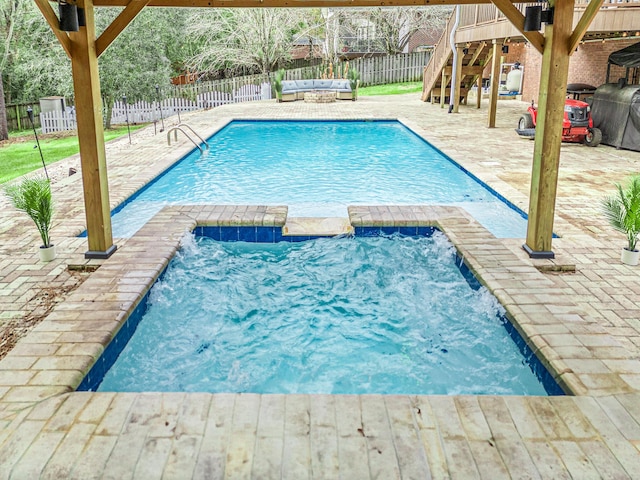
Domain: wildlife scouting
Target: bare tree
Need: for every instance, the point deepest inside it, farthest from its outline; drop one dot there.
(253, 38)
(393, 27)
(333, 17)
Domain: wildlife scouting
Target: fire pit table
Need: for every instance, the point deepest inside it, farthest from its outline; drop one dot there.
(320, 96)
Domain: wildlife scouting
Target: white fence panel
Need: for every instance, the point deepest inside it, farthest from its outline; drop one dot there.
(141, 112)
(265, 91)
(247, 93)
(58, 121)
(180, 105)
(213, 99)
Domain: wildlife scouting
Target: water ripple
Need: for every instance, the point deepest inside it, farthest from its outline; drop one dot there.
(351, 315)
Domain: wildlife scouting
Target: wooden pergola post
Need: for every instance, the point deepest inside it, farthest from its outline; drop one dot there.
(455, 82)
(495, 82)
(546, 155)
(86, 86)
(557, 45)
(443, 87)
(83, 49)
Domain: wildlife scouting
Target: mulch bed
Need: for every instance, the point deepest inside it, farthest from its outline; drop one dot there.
(37, 309)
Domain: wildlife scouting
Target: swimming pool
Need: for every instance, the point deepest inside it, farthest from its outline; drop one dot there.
(318, 168)
(387, 315)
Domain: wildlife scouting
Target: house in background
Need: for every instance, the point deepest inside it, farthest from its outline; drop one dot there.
(307, 48)
(359, 39)
(358, 35)
(423, 40)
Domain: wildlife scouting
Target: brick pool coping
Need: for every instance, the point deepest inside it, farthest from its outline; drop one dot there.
(582, 357)
(257, 435)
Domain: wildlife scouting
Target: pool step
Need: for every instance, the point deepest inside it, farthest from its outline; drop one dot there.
(316, 227)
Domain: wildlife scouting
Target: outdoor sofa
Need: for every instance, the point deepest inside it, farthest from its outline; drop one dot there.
(295, 89)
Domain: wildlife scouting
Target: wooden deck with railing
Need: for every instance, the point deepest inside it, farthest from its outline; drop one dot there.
(481, 24)
(486, 22)
(440, 56)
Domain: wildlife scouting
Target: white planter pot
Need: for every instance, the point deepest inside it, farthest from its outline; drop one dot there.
(47, 254)
(630, 257)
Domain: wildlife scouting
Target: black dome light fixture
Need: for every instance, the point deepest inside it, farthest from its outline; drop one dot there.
(68, 16)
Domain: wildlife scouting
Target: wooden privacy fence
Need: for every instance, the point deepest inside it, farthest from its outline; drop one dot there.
(391, 68)
(405, 67)
(17, 118)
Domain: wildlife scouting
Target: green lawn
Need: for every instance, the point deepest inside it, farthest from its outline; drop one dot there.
(390, 89)
(19, 158)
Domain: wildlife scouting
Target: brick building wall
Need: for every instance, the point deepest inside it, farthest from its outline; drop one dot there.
(304, 51)
(516, 53)
(532, 66)
(423, 38)
(587, 65)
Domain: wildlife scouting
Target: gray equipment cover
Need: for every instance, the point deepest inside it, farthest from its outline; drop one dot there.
(627, 57)
(616, 111)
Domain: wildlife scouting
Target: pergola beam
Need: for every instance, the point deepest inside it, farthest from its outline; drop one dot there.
(517, 20)
(52, 19)
(583, 24)
(291, 3)
(119, 24)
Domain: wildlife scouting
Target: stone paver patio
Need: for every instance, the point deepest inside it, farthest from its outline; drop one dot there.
(580, 313)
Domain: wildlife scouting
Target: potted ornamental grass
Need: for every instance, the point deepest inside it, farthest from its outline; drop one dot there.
(354, 81)
(622, 210)
(33, 197)
(277, 83)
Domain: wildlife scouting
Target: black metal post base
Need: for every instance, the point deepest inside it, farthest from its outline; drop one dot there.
(91, 254)
(538, 255)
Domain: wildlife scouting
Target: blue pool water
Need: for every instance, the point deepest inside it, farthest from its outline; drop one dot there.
(389, 315)
(318, 169)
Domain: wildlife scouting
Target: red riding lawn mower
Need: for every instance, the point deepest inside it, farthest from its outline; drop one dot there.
(577, 125)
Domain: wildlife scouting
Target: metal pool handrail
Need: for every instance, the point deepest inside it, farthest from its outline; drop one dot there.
(180, 127)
